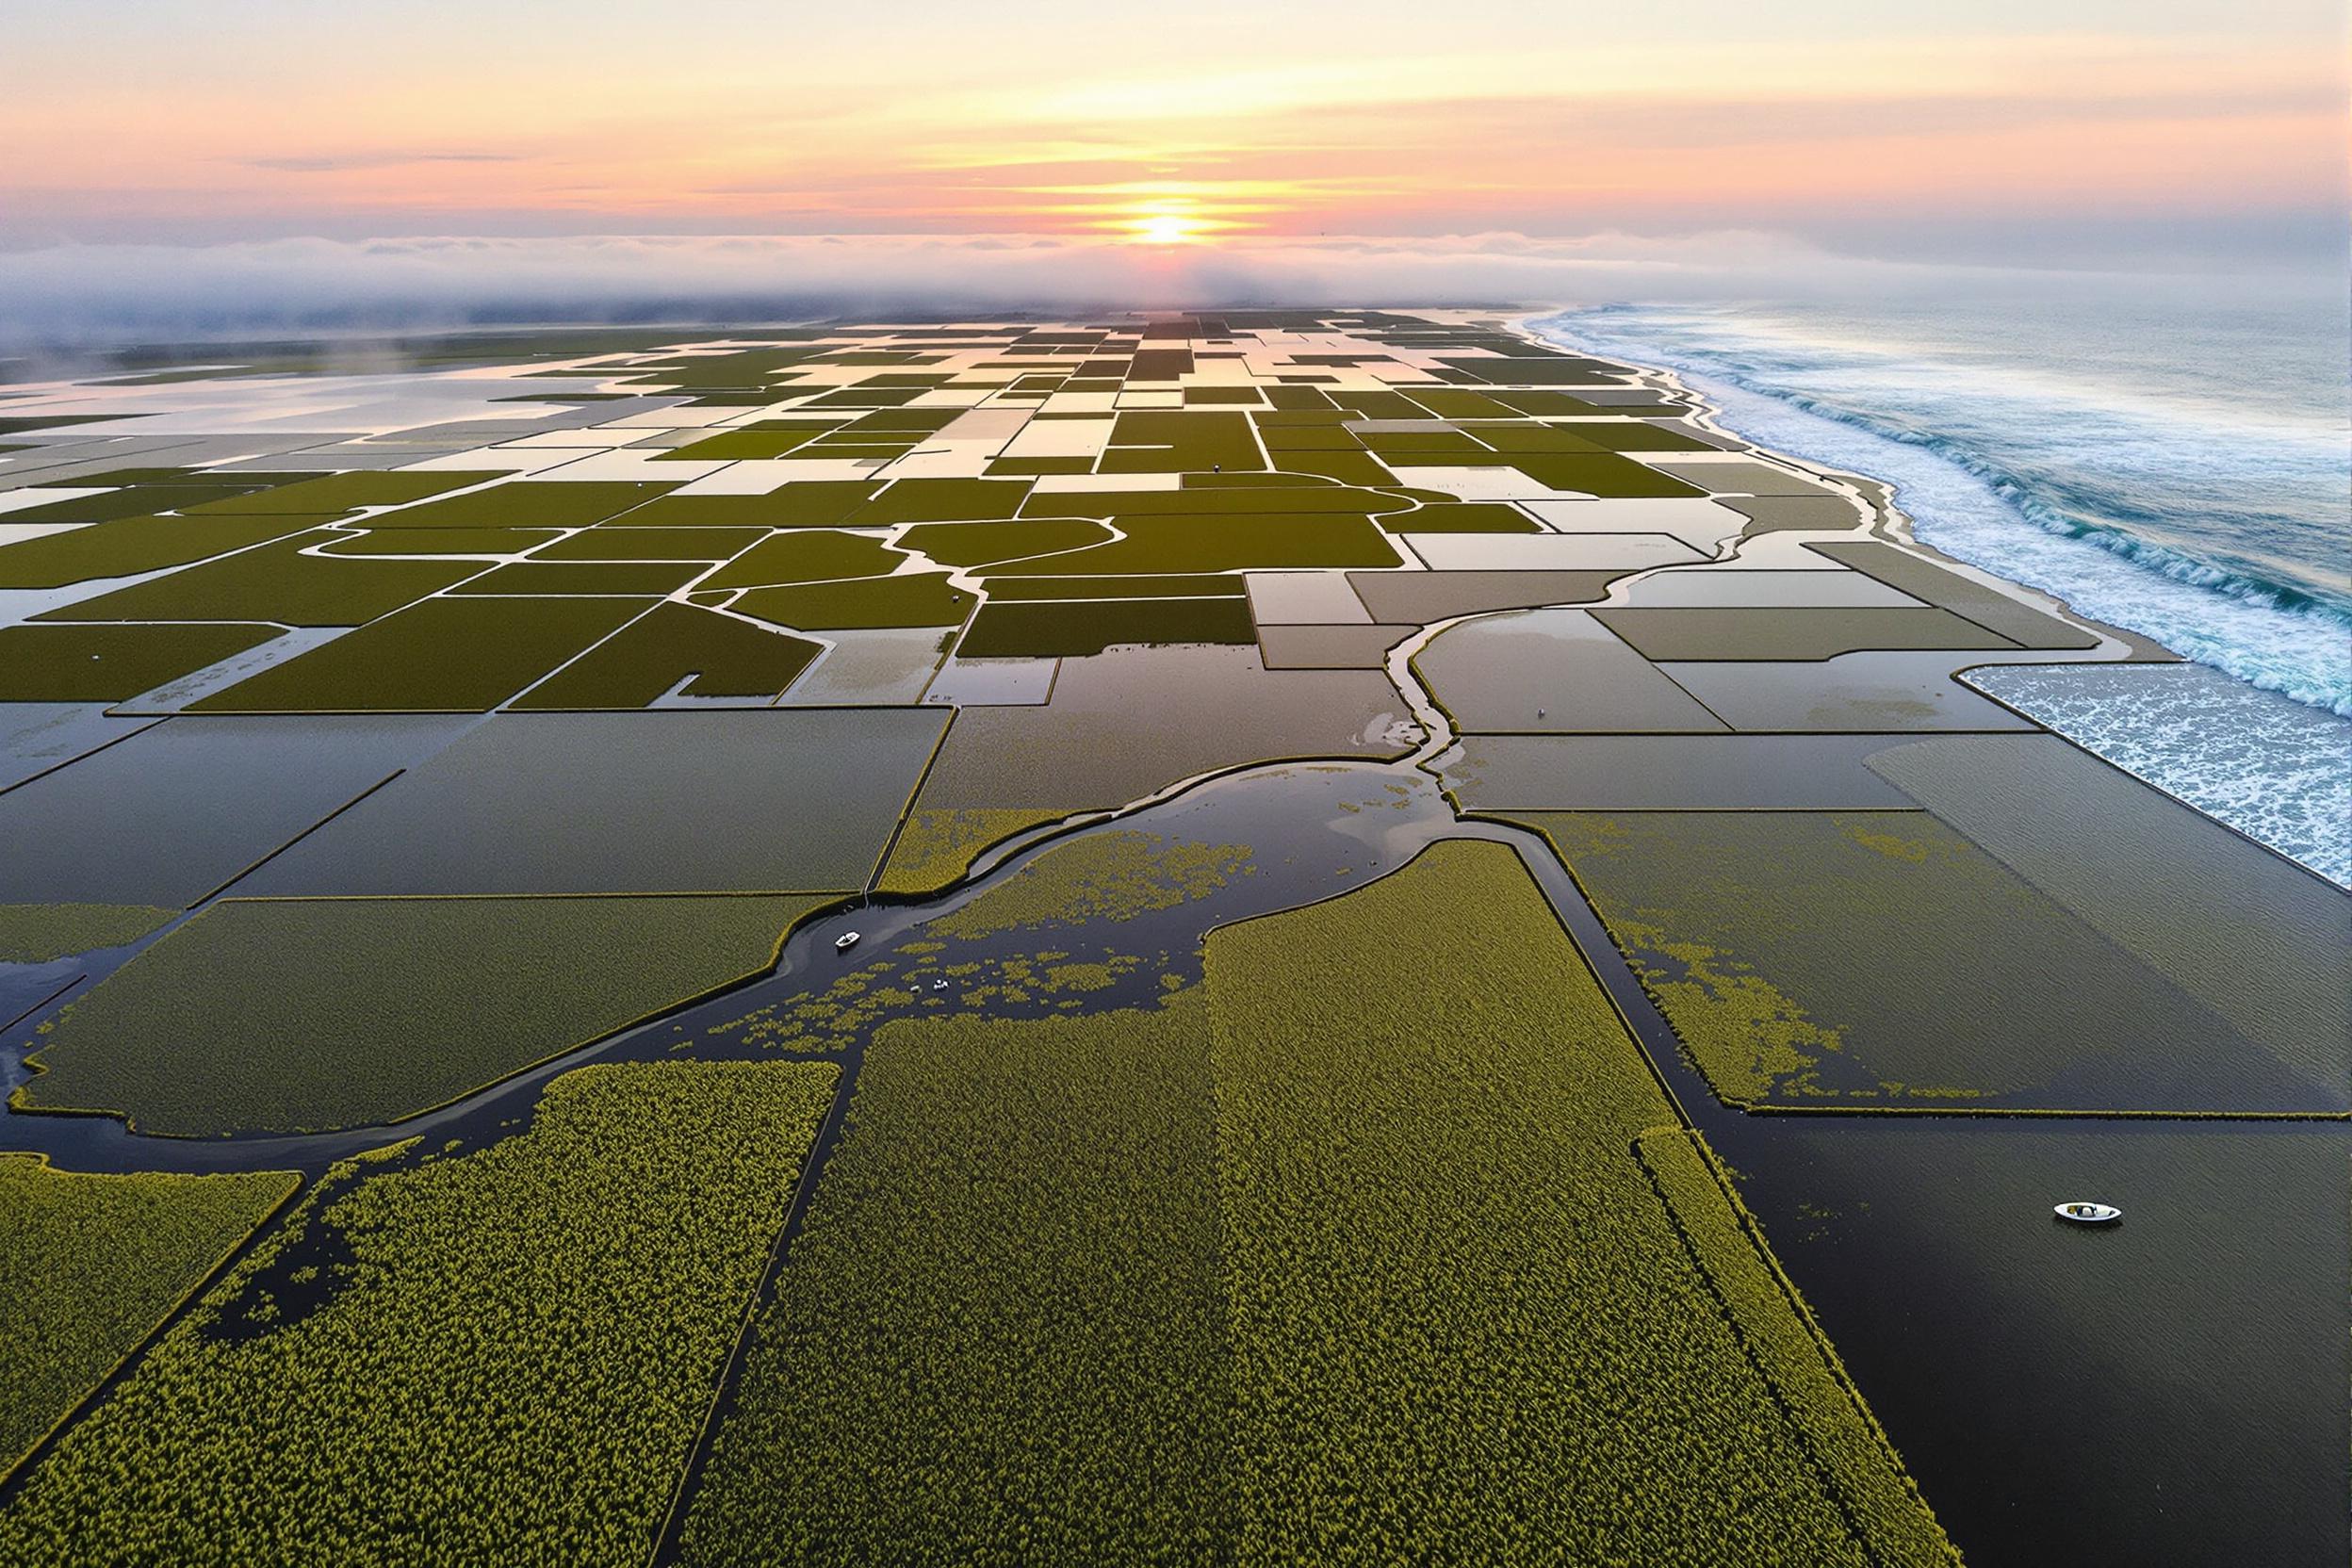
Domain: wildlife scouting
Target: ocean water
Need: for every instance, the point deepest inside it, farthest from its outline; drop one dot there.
(2170, 457)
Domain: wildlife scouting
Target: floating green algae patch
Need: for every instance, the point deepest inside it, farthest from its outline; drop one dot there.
(1048, 629)
(1872, 960)
(300, 1015)
(910, 599)
(129, 546)
(108, 663)
(984, 544)
(277, 582)
(1002, 1325)
(807, 555)
(38, 933)
(90, 1263)
(340, 493)
(499, 1355)
(1179, 545)
(645, 578)
(437, 655)
(1459, 1313)
(935, 848)
(723, 655)
(1107, 876)
(1289, 1268)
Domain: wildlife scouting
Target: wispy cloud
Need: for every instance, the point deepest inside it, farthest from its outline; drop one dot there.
(323, 163)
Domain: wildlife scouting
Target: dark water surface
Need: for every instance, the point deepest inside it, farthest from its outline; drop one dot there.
(2172, 1390)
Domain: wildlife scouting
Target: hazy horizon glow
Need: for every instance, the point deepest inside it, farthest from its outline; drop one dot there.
(1946, 130)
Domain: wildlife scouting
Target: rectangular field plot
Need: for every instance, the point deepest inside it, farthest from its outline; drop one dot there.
(445, 655)
(109, 663)
(301, 1014)
(2251, 935)
(1672, 773)
(1552, 670)
(1075, 628)
(179, 809)
(1306, 1251)
(720, 801)
(132, 545)
(1125, 723)
(715, 656)
(1881, 960)
(524, 503)
(341, 493)
(1876, 691)
(90, 1263)
(599, 1259)
(1989, 607)
(1073, 1411)
(1770, 633)
(281, 583)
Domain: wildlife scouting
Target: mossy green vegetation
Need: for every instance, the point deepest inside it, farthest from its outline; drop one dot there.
(461, 655)
(807, 555)
(1452, 1287)
(90, 1263)
(1016, 1226)
(642, 579)
(1334, 1258)
(1979, 992)
(1076, 628)
(1221, 543)
(496, 1355)
(298, 1015)
(985, 544)
(1180, 441)
(524, 503)
(1141, 586)
(1462, 517)
(38, 933)
(725, 656)
(942, 500)
(1101, 876)
(910, 599)
(618, 542)
(341, 493)
(820, 503)
(108, 663)
(434, 541)
(128, 545)
(936, 848)
(280, 582)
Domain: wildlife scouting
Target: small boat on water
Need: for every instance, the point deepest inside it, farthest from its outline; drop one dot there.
(2082, 1212)
(846, 940)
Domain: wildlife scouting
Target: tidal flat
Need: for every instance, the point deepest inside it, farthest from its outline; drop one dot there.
(1255, 936)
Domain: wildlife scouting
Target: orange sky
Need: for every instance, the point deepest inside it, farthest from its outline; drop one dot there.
(1167, 122)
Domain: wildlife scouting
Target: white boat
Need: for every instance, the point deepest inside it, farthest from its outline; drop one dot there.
(846, 940)
(2082, 1212)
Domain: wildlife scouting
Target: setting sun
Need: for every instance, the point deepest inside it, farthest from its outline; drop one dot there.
(1166, 228)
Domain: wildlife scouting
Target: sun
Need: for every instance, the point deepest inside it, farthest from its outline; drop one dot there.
(1165, 228)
